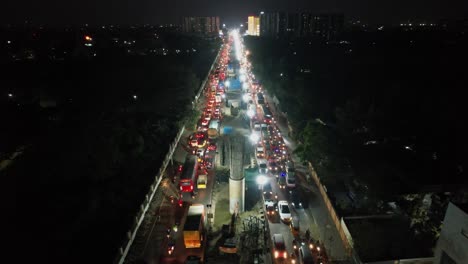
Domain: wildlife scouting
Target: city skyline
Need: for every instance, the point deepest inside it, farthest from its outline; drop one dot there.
(230, 12)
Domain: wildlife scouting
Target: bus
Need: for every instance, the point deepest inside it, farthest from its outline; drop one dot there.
(188, 178)
(267, 115)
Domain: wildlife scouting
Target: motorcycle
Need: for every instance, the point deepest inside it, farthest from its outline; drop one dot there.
(170, 247)
(168, 233)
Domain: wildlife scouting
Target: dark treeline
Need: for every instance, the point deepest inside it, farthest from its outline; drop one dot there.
(92, 149)
(381, 111)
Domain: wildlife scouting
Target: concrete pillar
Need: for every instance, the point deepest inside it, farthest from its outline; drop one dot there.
(236, 195)
(236, 177)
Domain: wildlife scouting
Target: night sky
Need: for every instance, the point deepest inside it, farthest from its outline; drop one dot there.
(59, 12)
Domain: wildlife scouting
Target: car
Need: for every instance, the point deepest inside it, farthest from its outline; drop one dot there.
(272, 166)
(282, 182)
(284, 211)
(257, 126)
(279, 247)
(270, 207)
(290, 180)
(294, 226)
(211, 147)
(267, 190)
(262, 168)
(205, 121)
(305, 255)
(194, 142)
(260, 152)
(296, 199)
(200, 152)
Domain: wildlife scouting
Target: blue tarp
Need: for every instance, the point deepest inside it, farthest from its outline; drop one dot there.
(235, 84)
(227, 130)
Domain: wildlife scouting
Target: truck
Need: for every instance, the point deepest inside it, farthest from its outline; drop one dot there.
(194, 226)
(213, 129)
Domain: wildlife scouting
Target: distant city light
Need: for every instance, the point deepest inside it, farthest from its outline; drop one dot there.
(224, 25)
(261, 13)
(135, 97)
(10, 95)
(9, 42)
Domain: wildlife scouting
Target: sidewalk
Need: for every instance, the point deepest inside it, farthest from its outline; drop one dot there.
(327, 232)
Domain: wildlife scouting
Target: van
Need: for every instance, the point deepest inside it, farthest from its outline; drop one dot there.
(305, 256)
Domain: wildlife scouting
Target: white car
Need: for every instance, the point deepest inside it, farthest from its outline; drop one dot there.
(284, 211)
(200, 152)
(260, 152)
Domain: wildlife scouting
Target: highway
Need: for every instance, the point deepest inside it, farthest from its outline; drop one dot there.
(312, 216)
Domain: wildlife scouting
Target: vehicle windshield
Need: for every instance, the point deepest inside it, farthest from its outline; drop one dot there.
(263, 166)
(285, 209)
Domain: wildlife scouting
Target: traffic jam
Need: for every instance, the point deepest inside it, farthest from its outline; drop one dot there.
(202, 143)
(276, 167)
(193, 175)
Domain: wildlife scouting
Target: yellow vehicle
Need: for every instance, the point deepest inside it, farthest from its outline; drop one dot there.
(194, 226)
(202, 181)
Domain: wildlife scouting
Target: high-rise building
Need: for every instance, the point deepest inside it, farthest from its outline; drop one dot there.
(279, 24)
(253, 28)
(201, 25)
(269, 24)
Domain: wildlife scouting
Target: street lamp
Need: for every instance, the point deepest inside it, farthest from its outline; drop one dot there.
(261, 180)
(254, 138)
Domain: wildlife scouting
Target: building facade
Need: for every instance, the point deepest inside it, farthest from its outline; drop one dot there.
(452, 246)
(279, 24)
(253, 28)
(201, 25)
